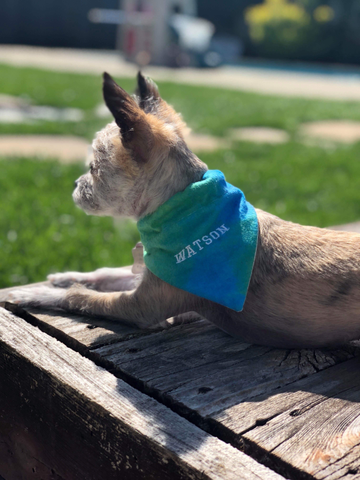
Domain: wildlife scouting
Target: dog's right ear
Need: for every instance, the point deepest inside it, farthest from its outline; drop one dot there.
(147, 92)
(151, 102)
(135, 130)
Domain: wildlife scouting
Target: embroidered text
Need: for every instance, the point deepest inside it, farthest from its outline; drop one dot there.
(200, 244)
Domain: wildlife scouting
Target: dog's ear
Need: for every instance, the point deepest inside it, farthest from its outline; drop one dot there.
(135, 130)
(151, 102)
(148, 93)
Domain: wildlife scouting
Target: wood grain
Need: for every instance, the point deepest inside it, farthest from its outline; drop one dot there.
(312, 425)
(79, 421)
(207, 371)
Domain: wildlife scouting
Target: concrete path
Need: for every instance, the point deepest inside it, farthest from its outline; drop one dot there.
(68, 149)
(65, 149)
(276, 82)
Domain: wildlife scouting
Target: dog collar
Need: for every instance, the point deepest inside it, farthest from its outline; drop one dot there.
(203, 240)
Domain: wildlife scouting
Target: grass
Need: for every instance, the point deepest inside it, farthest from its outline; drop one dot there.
(43, 232)
(207, 110)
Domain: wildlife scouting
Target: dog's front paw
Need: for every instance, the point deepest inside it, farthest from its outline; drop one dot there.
(41, 296)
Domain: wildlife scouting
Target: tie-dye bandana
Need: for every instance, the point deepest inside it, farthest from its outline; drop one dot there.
(203, 240)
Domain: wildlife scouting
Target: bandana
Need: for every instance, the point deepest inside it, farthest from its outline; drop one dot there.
(203, 240)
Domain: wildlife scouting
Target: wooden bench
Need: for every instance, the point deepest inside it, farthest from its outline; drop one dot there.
(85, 398)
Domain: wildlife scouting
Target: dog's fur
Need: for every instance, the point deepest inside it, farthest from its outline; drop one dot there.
(305, 286)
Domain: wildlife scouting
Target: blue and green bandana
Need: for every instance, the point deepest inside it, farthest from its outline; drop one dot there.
(203, 240)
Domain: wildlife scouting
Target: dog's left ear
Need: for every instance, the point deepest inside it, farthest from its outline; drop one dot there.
(135, 130)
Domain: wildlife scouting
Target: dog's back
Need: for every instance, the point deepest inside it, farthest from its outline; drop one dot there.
(304, 290)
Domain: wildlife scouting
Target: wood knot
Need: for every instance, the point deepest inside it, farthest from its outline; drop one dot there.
(203, 390)
(92, 327)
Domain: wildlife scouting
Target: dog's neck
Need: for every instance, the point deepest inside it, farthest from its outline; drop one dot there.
(149, 199)
(141, 205)
(163, 184)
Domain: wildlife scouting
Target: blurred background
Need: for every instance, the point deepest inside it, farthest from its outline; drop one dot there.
(270, 90)
(176, 31)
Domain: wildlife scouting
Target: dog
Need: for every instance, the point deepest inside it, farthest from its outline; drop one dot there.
(304, 289)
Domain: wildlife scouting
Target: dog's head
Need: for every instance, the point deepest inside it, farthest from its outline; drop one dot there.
(139, 160)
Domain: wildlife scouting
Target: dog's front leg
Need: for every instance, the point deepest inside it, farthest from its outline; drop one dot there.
(102, 280)
(149, 305)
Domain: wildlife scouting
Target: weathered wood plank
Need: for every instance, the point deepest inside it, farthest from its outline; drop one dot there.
(322, 433)
(312, 425)
(347, 468)
(89, 332)
(96, 332)
(260, 409)
(79, 421)
(206, 370)
(233, 389)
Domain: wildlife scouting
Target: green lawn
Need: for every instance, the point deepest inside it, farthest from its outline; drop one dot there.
(42, 231)
(207, 110)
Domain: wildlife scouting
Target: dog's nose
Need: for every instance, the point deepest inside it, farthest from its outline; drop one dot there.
(76, 183)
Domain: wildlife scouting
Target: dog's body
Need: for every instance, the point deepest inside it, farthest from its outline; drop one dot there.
(305, 286)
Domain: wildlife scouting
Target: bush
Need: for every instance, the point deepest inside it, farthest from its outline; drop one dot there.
(305, 30)
(277, 26)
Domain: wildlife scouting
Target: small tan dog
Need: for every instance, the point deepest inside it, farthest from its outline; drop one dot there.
(305, 286)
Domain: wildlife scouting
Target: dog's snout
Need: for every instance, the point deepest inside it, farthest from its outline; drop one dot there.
(76, 183)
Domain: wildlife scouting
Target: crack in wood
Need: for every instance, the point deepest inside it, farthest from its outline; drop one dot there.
(313, 365)
(204, 364)
(261, 455)
(55, 476)
(260, 422)
(299, 359)
(286, 356)
(343, 463)
(315, 357)
(272, 461)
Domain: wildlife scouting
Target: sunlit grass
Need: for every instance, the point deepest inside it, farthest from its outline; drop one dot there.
(42, 231)
(205, 109)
